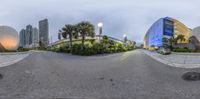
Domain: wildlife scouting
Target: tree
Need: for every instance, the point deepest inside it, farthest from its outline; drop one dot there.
(105, 42)
(42, 46)
(68, 30)
(134, 43)
(180, 38)
(75, 31)
(86, 29)
(168, 42)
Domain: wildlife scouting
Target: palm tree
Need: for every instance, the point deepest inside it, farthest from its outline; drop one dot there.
(75, 32)
(168, 42)
(68, 31)
(86, 29)
(180, 37)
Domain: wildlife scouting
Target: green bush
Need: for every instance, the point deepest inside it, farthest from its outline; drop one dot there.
(65, 48)
(98, 48)
(121, 47)
(181, 50)
(185, 49)
(61, 48)
(93, 48)
(85, 50)
(20, 49)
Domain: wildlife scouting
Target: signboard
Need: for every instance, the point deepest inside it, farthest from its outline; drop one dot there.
(168, 27)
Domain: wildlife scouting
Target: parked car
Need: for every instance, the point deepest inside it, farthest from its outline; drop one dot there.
(164, 51)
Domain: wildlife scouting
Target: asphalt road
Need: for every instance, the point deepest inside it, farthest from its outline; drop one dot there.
(131, 75)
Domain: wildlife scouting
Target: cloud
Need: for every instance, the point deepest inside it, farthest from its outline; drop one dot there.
(131, 17)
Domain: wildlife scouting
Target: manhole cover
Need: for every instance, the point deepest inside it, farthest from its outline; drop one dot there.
(191, 76)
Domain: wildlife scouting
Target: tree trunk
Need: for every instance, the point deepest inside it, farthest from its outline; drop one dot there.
(83, 39)
(70, 39)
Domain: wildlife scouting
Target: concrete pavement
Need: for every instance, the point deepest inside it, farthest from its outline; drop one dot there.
(131, 75)
(7, 59)
(180, 60)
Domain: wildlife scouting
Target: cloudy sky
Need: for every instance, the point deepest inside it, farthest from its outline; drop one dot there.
(130, 17)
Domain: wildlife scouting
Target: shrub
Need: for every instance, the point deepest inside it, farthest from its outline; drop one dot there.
(20, 49)
(65, 48)
(61, 48)
(121, 48)
(85, 50)
(181, 50)
(93, 48)
(98, 48)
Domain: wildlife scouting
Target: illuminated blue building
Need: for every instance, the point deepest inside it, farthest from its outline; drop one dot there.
(164, 27)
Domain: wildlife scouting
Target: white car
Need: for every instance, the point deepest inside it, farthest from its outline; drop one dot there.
(164, 51)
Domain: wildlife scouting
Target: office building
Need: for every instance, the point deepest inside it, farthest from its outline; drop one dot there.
(163, 29)
(44, 32)
(29, 36)
(22, 38)
(35, 37)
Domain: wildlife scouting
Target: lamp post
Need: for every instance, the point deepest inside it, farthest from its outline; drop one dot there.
(125, 38)
(100, 26)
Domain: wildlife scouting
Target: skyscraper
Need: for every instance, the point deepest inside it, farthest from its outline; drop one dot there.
(44, 31)
(35, 37)
(22, 38)
(29, 35)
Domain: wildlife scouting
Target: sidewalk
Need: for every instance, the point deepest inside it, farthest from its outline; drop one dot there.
(7, 59)
(181, 60)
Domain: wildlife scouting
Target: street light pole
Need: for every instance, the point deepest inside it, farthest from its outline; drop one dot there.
(100, 26)
(125, 38)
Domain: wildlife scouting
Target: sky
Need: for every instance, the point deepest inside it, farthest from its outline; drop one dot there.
(130, 17)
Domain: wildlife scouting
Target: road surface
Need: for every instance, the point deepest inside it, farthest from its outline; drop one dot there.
(131, 75)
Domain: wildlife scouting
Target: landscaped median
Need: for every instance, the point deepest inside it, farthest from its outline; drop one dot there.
(97, 44)
(181, 60)
(94, 47)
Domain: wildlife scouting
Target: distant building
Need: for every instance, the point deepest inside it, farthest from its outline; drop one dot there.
(22, 38)
(44, 31)
(35, 37)
(29, 36)
(195, 37)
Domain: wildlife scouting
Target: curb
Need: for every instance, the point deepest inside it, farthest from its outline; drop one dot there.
(14, 53)
(185, 66)
(4, 64)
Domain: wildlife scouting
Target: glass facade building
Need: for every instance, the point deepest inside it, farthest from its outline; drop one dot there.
(164, 28)
(22, 38)
(44, 31)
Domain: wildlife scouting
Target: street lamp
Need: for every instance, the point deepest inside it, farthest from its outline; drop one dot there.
(100, 26)
(125, 38)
